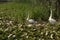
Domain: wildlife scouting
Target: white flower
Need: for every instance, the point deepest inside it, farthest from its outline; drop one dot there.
(38, 24)
(10, 35)
(41, 32)
(39, 39)
(26, 36)
(51, 36)
(14, 36)
(10, 22)
(29, 25)
(46, 33)
(20, 25)
(21, 29)
(25, 33)
(34, 37)
(42, 39)
(34, 29)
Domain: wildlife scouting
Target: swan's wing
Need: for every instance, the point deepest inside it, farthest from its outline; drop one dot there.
(53, 21)
(31, 21)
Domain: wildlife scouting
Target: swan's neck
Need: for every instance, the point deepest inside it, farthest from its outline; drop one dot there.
(51, 14)
(28, 17)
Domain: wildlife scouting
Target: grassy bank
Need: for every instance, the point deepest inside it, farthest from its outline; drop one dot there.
(16, 13)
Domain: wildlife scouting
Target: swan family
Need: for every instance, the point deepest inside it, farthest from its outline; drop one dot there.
(51, 20)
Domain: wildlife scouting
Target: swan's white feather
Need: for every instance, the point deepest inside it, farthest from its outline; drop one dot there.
(52, 21)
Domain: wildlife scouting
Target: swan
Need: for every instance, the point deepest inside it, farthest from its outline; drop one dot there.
(31, 21)
(51, 20)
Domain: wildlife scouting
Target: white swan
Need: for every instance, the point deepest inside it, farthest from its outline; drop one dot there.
(51, 20)
(31, 21)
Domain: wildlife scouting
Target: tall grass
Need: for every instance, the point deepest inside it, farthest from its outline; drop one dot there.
(18, 10)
